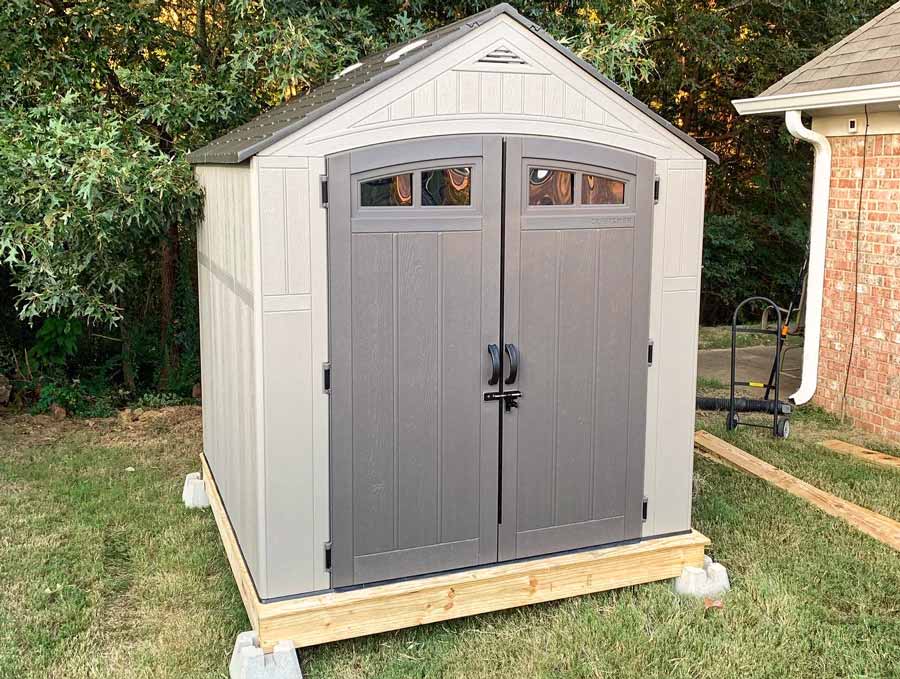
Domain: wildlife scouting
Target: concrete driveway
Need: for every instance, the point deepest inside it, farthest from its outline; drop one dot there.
(753, 364)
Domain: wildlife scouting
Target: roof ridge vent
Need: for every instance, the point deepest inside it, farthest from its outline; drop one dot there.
(502, 55)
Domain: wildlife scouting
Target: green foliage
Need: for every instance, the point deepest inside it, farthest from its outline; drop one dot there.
(707, 54)
(159, 400)
(100, 100)
(56, 341)
(78, 399)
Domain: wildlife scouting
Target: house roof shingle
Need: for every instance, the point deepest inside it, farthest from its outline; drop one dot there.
(868, 56)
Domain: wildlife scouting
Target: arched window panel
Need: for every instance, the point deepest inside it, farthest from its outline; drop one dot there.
(393, 191)
(596, 190)
(550, 187)
(447, 186)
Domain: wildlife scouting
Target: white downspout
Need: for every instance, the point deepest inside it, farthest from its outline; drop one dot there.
(818, 225)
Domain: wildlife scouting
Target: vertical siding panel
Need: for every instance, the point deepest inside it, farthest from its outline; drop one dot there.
(574, 104)
(675, 209)
(289, 471)
(555, 97)
(424, 100)
(692, 228)
(402, 108)
(491, 92)
(534, 87)
(676, 411)
(319, 284)
(297, 226)
(272, 231)
(653, 391)
(512, 92)
(447, 94)
(469, 92)
(594, 113)
(227, 349)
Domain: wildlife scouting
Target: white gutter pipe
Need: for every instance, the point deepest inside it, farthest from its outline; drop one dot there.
(818, 226)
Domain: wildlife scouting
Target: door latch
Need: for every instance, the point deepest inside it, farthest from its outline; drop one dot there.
(510, 398)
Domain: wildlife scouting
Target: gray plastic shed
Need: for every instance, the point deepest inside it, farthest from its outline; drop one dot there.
(449, 307)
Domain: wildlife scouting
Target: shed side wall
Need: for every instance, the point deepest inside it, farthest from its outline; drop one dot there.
(294, 348)
(674, 320)
(229, 358)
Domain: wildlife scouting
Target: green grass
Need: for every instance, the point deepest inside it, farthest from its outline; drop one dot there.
(719, 337)
(106, 575)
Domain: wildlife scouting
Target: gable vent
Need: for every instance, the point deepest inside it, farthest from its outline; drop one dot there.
(502, 55)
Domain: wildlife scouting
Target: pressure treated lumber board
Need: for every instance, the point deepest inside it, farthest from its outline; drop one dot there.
(880, 527)
(861, 453)
(232, 550)
(333, 615)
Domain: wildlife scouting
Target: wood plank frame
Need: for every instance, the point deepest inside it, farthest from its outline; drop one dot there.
(878, 526)
(861, 453)
(331, 616)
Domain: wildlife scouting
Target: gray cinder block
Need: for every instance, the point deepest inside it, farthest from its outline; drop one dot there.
(194, 493)
(711, 580)
(249, 662)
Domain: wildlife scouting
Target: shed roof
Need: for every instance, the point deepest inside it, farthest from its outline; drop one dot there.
(275, 124)
(868, 56)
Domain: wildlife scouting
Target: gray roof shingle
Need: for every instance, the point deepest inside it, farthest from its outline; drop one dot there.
(277, 123)
(868, 56)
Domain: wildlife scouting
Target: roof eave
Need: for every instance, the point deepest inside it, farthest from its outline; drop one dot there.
(818, 100)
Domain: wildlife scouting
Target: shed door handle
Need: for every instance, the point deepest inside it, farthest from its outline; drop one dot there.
(513, 352)
(494, 352)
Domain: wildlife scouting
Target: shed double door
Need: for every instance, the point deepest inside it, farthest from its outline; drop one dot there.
(489, 304)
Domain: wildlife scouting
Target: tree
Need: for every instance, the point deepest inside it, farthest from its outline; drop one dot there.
(708, 53)
(101, 99)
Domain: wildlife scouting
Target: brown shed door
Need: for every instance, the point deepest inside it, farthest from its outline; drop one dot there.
(426, 474)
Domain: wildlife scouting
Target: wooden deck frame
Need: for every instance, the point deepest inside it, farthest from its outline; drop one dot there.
(331, 616)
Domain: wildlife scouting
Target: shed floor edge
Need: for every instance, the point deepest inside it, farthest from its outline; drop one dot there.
(332, 616)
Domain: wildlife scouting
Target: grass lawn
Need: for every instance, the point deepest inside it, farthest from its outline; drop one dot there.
(719, 337)
(105, 574)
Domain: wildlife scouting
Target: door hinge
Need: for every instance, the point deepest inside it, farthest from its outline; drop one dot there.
(328, 556)
(644, 510)
(323, 182)
(326, 378)
(650, 352)
(655, 190)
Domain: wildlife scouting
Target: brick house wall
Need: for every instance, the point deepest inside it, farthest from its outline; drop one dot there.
(873, 388)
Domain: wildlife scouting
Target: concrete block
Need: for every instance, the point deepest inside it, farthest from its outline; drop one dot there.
(249, 662)
(194, 493)
(709, 581)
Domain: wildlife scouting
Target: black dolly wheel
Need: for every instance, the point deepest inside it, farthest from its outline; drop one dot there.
(732, 421)
(783, 428)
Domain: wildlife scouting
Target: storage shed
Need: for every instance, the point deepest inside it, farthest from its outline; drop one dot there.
(449, 307)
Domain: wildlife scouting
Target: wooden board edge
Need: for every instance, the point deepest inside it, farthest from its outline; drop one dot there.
(860, 453)
(883, 528)
(232, 550)
(333, 616)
